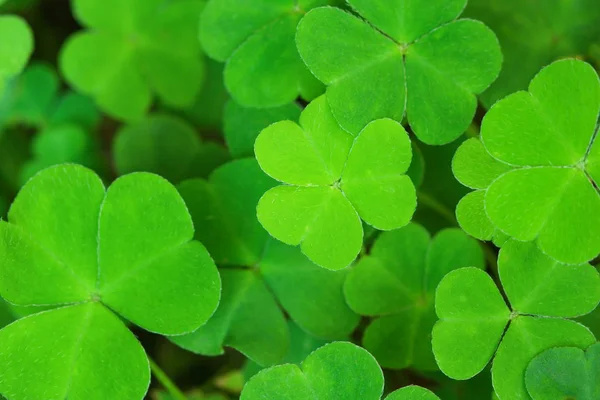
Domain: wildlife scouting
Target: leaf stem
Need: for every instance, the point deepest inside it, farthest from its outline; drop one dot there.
(436, 206)
(165, 381)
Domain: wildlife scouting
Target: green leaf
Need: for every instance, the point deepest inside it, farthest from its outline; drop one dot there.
(390, 73)
(165, 145)
(337, 180)
(471, 216)
(396, 284)
(70, 241)
(412, 392)
(242, 125)
(564, 372)
(124, 61)
(337, 370)
(249, 42)
(374, 180)
(16, 48)
(473, 317)
(80, 351)
(525, 338)
(474, 167)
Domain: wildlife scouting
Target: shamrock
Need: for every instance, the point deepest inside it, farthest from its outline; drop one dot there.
(396, 283)
(565, 373)
(133, 50)
(97, 255)
(409, 57)
(475, 322)
(338, 370)
(258, 273)
(332, 180)
(166, 145)
(256, 40)
(16, 47)
(542, 175)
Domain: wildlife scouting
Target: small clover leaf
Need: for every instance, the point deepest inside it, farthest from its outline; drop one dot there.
(242, 125)
(565, 373)
(539, 142)
(268, 275)
(15, 48)
(71, 242)
(474, 317)
(259, 33)
(133, 50)
(168, 146)
(338, 370)
(332, 181)
(409, 57)
(396, 283)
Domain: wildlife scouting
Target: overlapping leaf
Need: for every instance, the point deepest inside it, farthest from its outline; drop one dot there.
(339, 370)
(332, 180)
(168, 146)
(407, 57)
(396, 283)
(267, 273)
(134, 50)
(263, 68)
(538, 164)
(127, 250)
(475, 323)
(565, 373)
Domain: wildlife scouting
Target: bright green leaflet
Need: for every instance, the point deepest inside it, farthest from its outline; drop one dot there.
(546, 133)
(249, 42)
(268, 275)
(332, 181)
(134, 50)
(409, 57)
(474, 318)
(15, 48)
(475, 168)
(565, 373)
(86, 247)
(338, 370)
(396, 284)
(168, 146)
(242, 125)
(533, 34)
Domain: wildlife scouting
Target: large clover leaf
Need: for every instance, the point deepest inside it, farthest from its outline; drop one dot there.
(133, 50)
(339, 370)
(475, 322)
(267, 275)
(540, 181)
(409, 56)
(263, 66)
(396, 283)
(332, 181)
(127, 250)
(565, 373)
(16, 46)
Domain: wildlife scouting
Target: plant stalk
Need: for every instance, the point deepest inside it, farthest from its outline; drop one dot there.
(165, 381)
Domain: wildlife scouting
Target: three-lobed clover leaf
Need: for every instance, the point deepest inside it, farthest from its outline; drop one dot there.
(168, 146)
(16, 47)
(134, 50)
(262, 277)
(475, 323)
(99, 255)
(540, 165)
(408, 57)
(396, 284)
(256, 40)
(338, 370)
(565, 373)
(332, 180)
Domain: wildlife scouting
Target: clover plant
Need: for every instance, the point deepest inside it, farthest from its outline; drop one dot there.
(87, 251)
(16, 46)
(475, 323)
(406, 57)
(332, 181)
